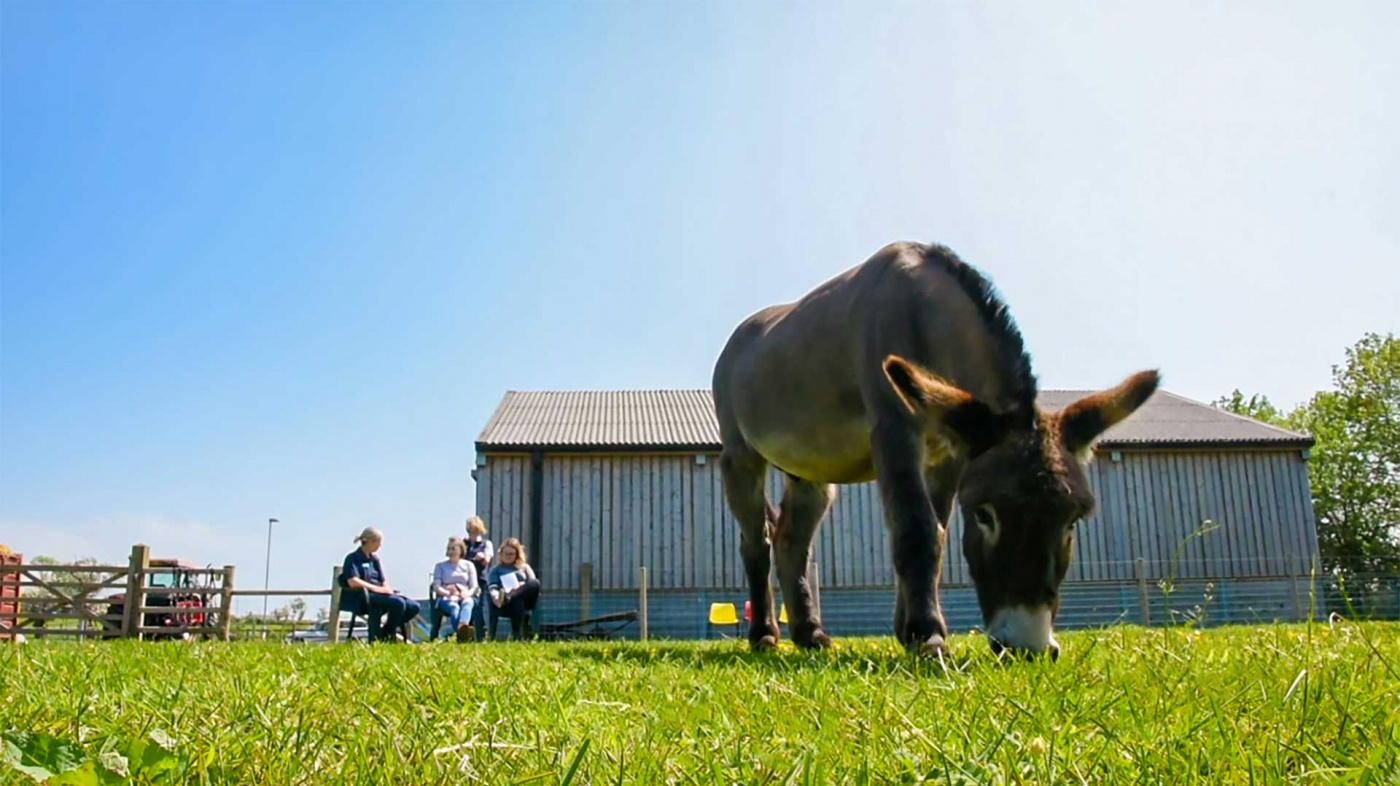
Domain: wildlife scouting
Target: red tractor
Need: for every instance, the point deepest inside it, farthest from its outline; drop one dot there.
(187, 608)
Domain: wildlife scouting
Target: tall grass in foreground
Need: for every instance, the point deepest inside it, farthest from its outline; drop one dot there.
(1260, 704)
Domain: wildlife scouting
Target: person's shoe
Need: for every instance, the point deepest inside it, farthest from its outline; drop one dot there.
(465, 633)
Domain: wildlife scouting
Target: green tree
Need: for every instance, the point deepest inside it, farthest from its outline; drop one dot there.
(1355, 466)
(1256, 406)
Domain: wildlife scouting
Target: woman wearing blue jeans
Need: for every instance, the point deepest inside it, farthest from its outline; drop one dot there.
(455, 586)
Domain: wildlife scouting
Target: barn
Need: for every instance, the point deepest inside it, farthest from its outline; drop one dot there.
(598, 484)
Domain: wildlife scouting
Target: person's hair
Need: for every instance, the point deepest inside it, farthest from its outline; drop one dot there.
(460, 544)
(513, 543)
(368, 534)
(478, 522)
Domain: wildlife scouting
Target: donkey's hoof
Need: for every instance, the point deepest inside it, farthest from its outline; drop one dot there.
(818, 641)
(763, 643)
(934, 646)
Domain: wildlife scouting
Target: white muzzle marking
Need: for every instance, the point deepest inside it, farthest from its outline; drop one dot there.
(1023, 628)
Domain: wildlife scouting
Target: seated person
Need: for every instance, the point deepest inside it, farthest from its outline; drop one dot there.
(481, 553)
(454, 585)
(513, 589)
(363, 574)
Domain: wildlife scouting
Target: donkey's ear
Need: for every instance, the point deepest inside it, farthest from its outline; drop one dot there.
(921, 392)
(1083, 421)
(960, 416)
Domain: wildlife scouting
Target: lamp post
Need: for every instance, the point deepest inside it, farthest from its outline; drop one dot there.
(267, 569)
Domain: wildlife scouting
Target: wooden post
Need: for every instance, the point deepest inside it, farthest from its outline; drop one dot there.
(1142, 591)
(1297, 597)
(642, 599)
(333, 625)
(226, 613)
(814, 580)
(585, 586)
(135, 591)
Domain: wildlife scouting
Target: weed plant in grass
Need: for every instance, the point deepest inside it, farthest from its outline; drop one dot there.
(1263, 704)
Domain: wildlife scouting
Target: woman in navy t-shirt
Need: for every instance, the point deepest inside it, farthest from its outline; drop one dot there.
(363, 571)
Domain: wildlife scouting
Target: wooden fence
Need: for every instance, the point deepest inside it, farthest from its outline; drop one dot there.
(194, 601)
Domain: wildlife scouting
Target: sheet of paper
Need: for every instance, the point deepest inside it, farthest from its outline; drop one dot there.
(509, 582)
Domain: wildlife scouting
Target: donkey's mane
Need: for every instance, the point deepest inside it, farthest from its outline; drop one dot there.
(1015, 362)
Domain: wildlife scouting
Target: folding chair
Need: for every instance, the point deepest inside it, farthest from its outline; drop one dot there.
(435, 614)
(724, 614)
(358, 608)
(357, 603)
(748, 613)
(493, 617)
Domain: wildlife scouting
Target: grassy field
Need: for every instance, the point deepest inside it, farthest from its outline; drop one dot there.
(1290, 703)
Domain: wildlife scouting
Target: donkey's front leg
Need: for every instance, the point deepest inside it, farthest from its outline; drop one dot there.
(744, 474)
(916, 535)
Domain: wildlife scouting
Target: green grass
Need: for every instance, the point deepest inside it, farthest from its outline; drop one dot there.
(1263, 704)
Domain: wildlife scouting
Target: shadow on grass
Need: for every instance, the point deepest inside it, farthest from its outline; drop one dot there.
(859, 655)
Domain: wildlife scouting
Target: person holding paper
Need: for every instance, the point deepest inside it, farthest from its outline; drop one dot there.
(513, 589)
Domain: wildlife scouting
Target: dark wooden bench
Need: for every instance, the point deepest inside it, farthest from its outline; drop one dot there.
(595, 628)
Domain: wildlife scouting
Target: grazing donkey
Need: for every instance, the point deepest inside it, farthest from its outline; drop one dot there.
(909, 370)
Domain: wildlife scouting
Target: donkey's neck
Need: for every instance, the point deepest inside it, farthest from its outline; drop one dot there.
(969, 339)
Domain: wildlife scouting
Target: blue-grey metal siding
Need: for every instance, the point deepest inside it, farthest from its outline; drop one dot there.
(667, 511)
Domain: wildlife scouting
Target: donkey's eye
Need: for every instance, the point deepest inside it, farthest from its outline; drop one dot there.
(1069, 532)
(986, 518)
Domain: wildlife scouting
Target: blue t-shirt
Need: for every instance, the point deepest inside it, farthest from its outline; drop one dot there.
(365, 568)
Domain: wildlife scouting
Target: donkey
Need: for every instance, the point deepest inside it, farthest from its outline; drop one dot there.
(908, 370)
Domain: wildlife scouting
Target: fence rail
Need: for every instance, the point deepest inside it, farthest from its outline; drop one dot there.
(1153, 596)
(47, 593)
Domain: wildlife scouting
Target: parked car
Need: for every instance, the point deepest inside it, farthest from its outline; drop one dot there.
(320, 633)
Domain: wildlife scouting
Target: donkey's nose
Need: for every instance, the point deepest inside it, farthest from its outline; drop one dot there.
(1025, 652)
(1023, 631)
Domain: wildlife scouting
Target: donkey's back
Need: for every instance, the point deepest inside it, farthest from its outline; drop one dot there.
(802, 383)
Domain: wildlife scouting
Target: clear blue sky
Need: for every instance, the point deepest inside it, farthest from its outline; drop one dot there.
(282, 259)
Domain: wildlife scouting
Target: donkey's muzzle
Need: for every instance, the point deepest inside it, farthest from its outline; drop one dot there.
(1025, 654)
(1023, 631)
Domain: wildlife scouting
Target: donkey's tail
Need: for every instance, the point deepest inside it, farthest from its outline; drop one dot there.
(774, 518)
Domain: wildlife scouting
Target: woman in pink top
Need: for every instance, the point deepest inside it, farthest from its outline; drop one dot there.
(456, 588)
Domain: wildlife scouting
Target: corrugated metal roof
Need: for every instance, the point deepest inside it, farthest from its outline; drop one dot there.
(633, 419)
(1167, 419)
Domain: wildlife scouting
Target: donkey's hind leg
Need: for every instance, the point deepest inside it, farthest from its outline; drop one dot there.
(744, 474)
(804, 505)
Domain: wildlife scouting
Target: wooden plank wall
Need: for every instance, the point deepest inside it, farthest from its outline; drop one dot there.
(503, 497)
(668, 513)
